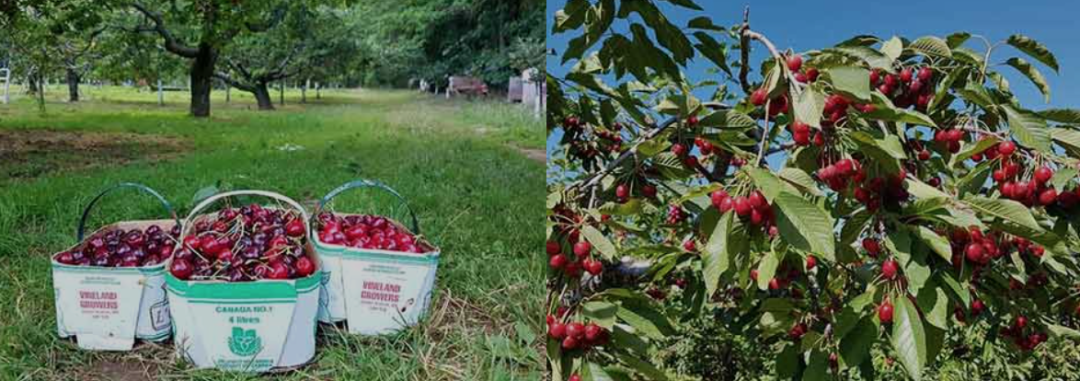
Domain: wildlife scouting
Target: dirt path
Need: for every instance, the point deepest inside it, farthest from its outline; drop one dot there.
(535, 154)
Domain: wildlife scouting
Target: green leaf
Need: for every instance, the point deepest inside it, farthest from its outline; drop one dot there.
(968, 150)
(1033, 49)
(1062, 115)
(855, 345)
(595, 372)
(923, 190)
(704, 22)
(644, 319)
(767, 269)
(728, 119)
(718, 254)
(644, 367)
(600, 312)
(817, 369)
(852, 81)
(1067, 137)
(931, 46)
(1063, 332)
(787, 362)
(598, 241)
(854, 226)
(908, 337)
(960, 291)
(800, 179)
(804, 225)
(1007, 210)
(809, 104)
(1063, 176)
(956, 39)
(1032, 74)
(686, 4)
(873, 58)
(768, 183)
(712, 50)
(935, 242)
(934, 304)
(892, 48)
(1029, 129)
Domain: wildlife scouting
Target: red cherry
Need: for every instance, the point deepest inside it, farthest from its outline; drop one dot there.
(754, 274)
(557, 330)
(1020, 322)
(1043, 174)
(905, 75)
(181, 269)
(974, 252)
(1048, 196)
(593, 332)
(593, 266)
(871, 246)
(575, 330)
(582, 249)
(758, 97)
(557, 261)
(278, 270)
(794, 63)
(622, 191)
(811, 262)
(811, 74)
(977, 307)
(757, 200)
(727, 204)
(885, 312)
(553, 248)
(718, 197)
(888, 269)
(295, 228)
(304, 267)
(678, 149)
(925, 74)
(819, 139)
(648, 191)
(1006, 148)
(874, 77)
(774, 284)
(574, 377)
(924, 155)
(998, 175)
(692, 120)
(742, 206)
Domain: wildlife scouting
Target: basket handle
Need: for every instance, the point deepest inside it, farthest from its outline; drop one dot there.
(80, 233)
(364, 183)
(189, 221)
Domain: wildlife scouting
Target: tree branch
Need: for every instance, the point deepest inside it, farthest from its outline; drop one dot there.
(171, 43)
(234, 83)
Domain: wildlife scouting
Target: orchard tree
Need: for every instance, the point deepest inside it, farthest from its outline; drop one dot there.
(255, 60)
(876, 195)
(199, 29)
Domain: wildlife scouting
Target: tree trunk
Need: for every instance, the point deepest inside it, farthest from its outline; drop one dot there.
(202, 74)
(318, 94)
(303, 91)
(262, 95)
(73, 85)
(281, 92)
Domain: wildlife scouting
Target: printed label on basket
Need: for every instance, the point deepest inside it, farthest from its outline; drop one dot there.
(243, 335)
(100, 309)
(385, 296)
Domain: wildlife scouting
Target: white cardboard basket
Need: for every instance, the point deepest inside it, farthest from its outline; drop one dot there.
(374, 291)
(108, 308)
(259, 326)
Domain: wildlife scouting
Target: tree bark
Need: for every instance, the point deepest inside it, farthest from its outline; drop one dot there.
(73, 85)
(262, 95)
(202, 74)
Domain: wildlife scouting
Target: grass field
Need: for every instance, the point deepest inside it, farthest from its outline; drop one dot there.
(462, 165)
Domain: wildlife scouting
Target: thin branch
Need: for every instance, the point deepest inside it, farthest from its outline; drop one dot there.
(171, 43)
(744, 52)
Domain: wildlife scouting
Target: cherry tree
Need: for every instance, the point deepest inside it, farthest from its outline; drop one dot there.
(879, 193)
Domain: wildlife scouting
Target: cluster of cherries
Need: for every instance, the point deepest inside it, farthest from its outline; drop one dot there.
(576, 335)
(123, 248)
(785, 275)
(366, 232)
(675, 215)
(245, 244)
(1027, 341)
(754, 208)
(1035, 190)
(980, 248)
(794, 63)
(559, 261)
(951, 138)
(572, 126)
(623, 192)
(912, 87)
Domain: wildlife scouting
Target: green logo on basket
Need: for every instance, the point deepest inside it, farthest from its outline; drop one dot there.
(244, 342)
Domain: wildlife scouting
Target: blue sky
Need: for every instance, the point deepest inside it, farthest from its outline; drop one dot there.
(806, 25)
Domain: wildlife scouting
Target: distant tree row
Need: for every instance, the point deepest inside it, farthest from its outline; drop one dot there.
(249, 45)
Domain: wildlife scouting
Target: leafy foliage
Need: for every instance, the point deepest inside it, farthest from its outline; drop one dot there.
(911, 200)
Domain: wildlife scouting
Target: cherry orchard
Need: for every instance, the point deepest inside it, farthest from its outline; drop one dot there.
(916, 196)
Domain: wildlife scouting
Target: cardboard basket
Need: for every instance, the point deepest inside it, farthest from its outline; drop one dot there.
(374, 291)
(108, 308)
(258, 326)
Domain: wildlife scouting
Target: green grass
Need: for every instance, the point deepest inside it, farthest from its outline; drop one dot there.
(457, 163)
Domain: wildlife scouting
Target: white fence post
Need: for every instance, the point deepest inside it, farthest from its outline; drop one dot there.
(160, 94)
(6, 77)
